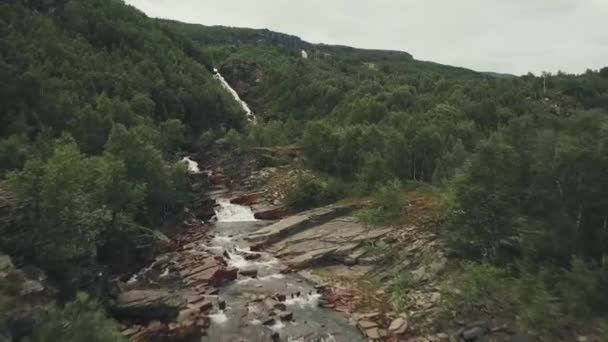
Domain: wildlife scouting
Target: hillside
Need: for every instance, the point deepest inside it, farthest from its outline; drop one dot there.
(99, 104)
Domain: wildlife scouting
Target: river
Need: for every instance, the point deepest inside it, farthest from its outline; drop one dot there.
(250, 314)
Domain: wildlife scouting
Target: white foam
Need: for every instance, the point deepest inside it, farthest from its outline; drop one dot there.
(228, 212)
(278, 325)
(219, 318)
(165, 273)
(310, 300)
(192, 165)
(256, 322)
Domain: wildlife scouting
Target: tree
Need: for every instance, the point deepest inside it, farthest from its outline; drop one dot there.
(80, 320)
(484, 197)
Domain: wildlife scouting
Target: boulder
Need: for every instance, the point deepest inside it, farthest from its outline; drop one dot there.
(247, 199)
(253, 273)
(148, 305)
(270, 213)
(398, 326)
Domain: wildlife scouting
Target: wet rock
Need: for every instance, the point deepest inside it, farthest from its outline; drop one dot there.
(226, 255)
(269, 303)
(280, 297)
(148, 304)
(286, 316)
(253, 273)
(280, 306)
(364, 325)
(253, 256)
(221, 303)
(269, 321)
(270, 213)
(398, 326)
(247, 199)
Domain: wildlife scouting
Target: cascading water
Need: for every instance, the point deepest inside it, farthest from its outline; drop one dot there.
(228, 212)
(248, 112)
(192, 165)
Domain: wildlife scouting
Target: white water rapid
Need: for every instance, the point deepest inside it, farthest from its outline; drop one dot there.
(228, 212)
(248, 112)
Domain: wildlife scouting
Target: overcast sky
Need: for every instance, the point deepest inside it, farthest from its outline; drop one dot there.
(511, 36)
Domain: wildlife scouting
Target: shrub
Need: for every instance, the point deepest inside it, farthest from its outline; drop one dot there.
(78, 321)
(386, 205)
(310, 192)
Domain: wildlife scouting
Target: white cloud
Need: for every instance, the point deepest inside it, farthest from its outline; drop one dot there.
(513, 36)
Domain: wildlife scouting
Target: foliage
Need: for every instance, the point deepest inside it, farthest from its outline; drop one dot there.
(311, 191)
(541, 299)
(386, 205)
(80, 320)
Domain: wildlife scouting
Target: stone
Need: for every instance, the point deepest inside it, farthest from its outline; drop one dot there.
(286, 316)
(6, 265)
(365, 325)
(269, 321)
(253, 256)
(473, 333)
(294, 224)
(398, 326)
(280, 306)
(163, 243)
(280, 297)
(201, 306)
(269, 303)
(30, 287)
(443, 337)
(148, 305)
(373, 333)
(130, 331)
(221, 303)
(247, 199)
(253, 273)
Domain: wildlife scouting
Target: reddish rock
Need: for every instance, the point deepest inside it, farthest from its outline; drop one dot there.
(247, 199)
(269, 213)
(215, 276)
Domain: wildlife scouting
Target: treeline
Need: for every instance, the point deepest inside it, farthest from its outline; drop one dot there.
(95, 99)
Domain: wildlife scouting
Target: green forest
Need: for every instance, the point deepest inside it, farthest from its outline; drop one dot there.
(96, 101)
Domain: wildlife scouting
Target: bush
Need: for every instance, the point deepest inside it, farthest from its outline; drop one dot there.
(310, 192)
(78, 321)
(386, 205)
(541, 299)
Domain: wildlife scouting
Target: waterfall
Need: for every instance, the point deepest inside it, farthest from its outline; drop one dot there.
(192, 165)
(228, 212)
(235, 95)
